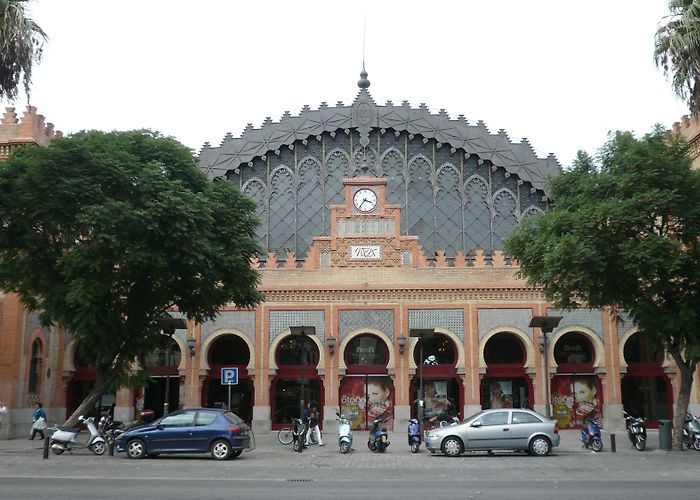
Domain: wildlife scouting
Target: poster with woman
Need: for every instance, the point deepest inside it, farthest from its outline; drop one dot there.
(365, 398)
(574, 398)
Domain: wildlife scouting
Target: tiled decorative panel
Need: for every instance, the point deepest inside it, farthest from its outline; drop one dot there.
(378, 319)
(240, 320)
(280, 321)
(590, 318)
(449, 319)
(625, 322)
(490, 319)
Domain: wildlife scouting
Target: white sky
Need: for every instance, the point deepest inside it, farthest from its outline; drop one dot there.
(560, 73)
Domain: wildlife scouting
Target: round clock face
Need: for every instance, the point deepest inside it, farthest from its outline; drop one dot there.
(365, 200)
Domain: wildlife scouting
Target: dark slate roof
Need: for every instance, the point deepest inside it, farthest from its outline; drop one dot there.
(517, 158)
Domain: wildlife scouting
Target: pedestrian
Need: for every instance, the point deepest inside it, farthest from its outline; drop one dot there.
(39, 419)
(313, 427)
(3, 410)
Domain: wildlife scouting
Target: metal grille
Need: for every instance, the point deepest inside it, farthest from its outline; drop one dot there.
(505, 216)
(477, 215)
(350, 320)
(448, 211)
(280, 321)
(590, 318)
(240, 320)
(282, 223)
(448, 319)
(490, 319)
(420, 203)
(310, 205)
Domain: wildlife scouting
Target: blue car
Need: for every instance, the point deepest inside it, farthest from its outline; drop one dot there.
(193, 430)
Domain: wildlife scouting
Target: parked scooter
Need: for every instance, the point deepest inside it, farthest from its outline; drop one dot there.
(590, 434)
(298, 435)
(691, 432)
(636, 431)
(63, 439)
(344, 434)
(378, 436)
(414, 439)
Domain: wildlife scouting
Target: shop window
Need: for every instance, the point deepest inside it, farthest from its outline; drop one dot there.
(573, 348)
(287, 396)
(441, 398)
(229, 350)
(510, 392)
(504, 348)
(438, 350)
(35, 368)
(646, 396)
(292, 348)
(158, 356)
(364, 398)
(640, 348)
(366, 350)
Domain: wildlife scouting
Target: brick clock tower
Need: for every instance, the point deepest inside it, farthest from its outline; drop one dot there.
(365, 231)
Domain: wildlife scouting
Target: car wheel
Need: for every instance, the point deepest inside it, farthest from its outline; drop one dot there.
(136, 449)
(452, 446)
(220, 449)
(540, 446)
(344, 447)
(98, 448)
(236, 453)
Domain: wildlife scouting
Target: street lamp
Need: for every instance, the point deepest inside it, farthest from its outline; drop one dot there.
(546, 324)
(421, 333)
(302, 332)
(169, 325)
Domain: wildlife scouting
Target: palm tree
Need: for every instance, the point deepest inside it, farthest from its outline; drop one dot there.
(21, 43)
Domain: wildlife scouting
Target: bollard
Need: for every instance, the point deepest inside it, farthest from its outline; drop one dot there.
(612, 443)
(46, 447)
(110, 447)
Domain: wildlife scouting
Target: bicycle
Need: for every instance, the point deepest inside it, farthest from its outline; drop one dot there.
(286, 434)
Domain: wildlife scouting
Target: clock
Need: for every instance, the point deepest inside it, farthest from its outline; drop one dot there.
(365, 200)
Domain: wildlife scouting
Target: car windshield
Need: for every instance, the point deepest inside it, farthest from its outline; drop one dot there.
(233, 418)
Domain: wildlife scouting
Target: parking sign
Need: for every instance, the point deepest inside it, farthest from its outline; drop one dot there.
(229, 376)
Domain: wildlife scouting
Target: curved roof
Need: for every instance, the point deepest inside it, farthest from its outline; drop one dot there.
(517, 158)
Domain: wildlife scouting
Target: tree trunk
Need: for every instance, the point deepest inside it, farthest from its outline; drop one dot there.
(681, 407)
(89, 402)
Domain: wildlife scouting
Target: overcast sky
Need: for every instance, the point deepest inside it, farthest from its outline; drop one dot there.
(560, 73)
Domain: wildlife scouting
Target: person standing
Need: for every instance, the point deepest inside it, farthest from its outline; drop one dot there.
(313, 427)
(3, 410)
(39, 419)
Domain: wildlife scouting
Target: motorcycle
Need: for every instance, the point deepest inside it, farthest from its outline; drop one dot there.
(590, 434)
(63, 438)
(344, 434)
(414, 439)
(378, 436)
(636, 431)
(298, 435)
(691, 432)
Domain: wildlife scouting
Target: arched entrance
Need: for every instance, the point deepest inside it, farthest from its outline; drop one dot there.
(441, 385)
(506, 384)
(161, 368)
(80, 386)
(229, 351)
(285, 391)
(576, 391)
(366, 391)
(646, 390)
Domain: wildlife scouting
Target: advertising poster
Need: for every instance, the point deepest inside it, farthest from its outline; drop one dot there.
(575, 397)
(364, 398)
(501, 393)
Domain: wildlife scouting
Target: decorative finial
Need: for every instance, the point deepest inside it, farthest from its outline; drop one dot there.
(363, 82)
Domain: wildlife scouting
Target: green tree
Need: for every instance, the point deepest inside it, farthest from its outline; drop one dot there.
(101, 233)
(21, 44)
(624, 232)
(677, 50)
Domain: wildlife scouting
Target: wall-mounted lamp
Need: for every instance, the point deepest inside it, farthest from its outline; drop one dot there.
(331, 345)
(402, 343)
(191, 343)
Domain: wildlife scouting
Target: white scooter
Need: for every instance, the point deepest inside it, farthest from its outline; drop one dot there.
(63, 439)
(344, 434)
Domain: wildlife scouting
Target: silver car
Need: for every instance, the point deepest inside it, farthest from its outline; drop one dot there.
(496, 429)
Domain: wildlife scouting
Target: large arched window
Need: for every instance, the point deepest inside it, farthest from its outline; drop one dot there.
(35, 368)
(229, 350)
(573, 348)
(366, 350)
(437, 350)
(504, 348)
(159, 356)
(639, 348)
(291, 349)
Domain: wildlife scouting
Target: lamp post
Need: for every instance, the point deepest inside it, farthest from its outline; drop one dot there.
(546, 324)
(420, 334)
(168, 326)
(302, 332)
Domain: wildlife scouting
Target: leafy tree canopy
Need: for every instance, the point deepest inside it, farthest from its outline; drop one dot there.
(21, 45)
(103, 232)
(624, 231)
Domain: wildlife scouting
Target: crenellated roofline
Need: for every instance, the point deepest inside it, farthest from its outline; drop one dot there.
(364, 115)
